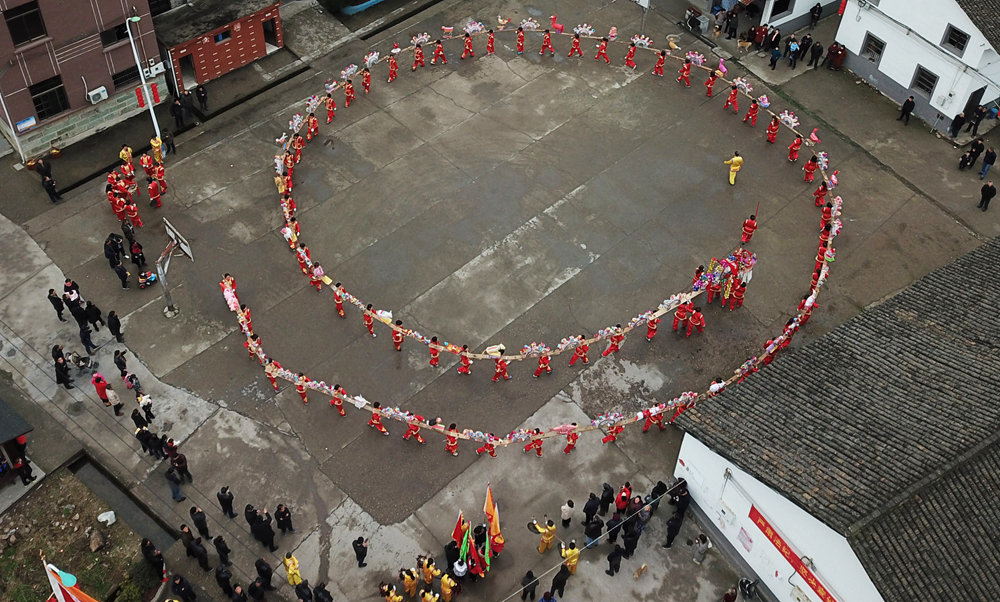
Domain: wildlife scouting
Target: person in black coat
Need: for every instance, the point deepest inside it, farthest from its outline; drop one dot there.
(360, 551)
(681, 499)
(559, 581)
(607, 498)
(251, 516)
(321, 594)
(182, 589)
(62, 373)
(122, 274)
(630, 539)
(528, 585)
(222, 549)
(49, 185)
(593, 529)
(94, 316)
(452, 553)
(614, 526)
(177, 112)
(590, 508)
(256, 591)
(202, 94)
(79, 313)
(111, 253)
(263, 532)
(238, 594)
(264, 573)
(57, 304)
(283, 518)
(138, 420)
(196, 549)
(200, 521)
(303, 592)
(673, 528)
(615, 560)
(115, 326)
(223, 576)
(226, 501)
(657, 494)
(128, 231)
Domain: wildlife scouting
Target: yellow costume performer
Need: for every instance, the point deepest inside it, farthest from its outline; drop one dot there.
(734, 167)
(572, 556)
(548, 535)
(447, 584)
(430, 571)
(292, 569)
(410, 580)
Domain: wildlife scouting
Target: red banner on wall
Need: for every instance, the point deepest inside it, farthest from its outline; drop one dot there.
(793, 559)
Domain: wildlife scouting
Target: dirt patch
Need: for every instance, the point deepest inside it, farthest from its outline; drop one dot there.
(58, 519)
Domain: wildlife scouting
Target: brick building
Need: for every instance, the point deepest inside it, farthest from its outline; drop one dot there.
(209, 39)
(67, 69)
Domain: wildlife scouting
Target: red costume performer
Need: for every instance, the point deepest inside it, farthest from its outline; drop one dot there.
(661, 60)
(697, 320)
(376, 420)
(147, 164)
(160, 173)
(651, 325)
(682, 315)
(118, 206)
(490, 41)
(793, 148)
(316, 277)
(288, 183)
(580, 353)
(827, 216)
(543, 366)
(806, 310)
(734, 95)
(613, 433)
(438, 53)
(413, 430)
(331, 108)
(304, 257)
(252, 345)
(132, 212)
(467, 51)
(337, 401)
(630, 56)
(736, 297)
(435, 353)
(685, 72)
(652, 419)
(366, 80)
(602, 51)
(369, 319)
(575, 49)
(520, 40)
(709, 84)
(338, 299)
(348, 94)
(500, 370)
(749, 227)
(752, 113)
(488, 447)
(289, 162)
(418, 57)
(451, 440)
(300, 387)
(615, 341)
(271, 371)
(820, 194)
(714, 288)
(397, 336)
(535, 444)
(680, 410)
(465, 367)
(547, 44)
(571, 439)
(393, 68)
(299, 143)
(154, 192)
(810, 169)
(313, 126)
(772, 130)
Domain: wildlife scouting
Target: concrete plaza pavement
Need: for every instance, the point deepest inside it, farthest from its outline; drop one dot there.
(501, 199)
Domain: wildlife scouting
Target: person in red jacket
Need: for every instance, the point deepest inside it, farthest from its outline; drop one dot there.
(132, 212)
(697, 320)
(752, 113)
(543, 365)
(661, 60)
(300, 387)
(710, 83)
(490, 41)
(614, 343)
(793, 148)
(749, 227)
(682, 314)
(547, 44)
(312, 126)
(575, 49)
(714, 289)
(467, 51)
(413, 429)
(434, 352)
(393, 68)
(289, 162)
(500, 370)
(331, 109)
(685, 73)
(810, 168)
(366, 80)
(827, 216)
(733, 100)
(397, 336)
(299, 143)
(465, 365)
(153, 187)
(651, 325)
(613, 432)
(807, 309)
(630, 56)
(652, 419)
(772, 130)
(438, 53)
(520, 40)
(602, 51)
(271, 371)
(571, 438)
(819, 195)
(376, 420)
(580, 353)
(369, 319)
(534, 443)
(160, 173)
(736, 298)
(349, 94)
(451, 439)
(488, 446)
(337, 401)
(418, 57)
(338, 299)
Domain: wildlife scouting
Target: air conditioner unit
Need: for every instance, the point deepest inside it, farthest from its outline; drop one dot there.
(97, 95)
(155, 70)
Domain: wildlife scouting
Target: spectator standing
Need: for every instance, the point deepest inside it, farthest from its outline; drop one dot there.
(283, 518)
(566, 513)
(62, 373)
(360, 546)
(988, 192)
(174, 480)
(988, 160)
(956, 125)
(202, 94)
(701, 548)
(57, 304)
(115, 326)
(226, 501)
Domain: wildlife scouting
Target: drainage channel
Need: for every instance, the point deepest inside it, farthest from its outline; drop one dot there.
(126, 507)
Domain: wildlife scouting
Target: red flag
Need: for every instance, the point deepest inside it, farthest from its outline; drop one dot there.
(475, 560)
(459, 529)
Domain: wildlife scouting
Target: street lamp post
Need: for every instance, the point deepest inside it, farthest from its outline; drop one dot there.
(142, 77)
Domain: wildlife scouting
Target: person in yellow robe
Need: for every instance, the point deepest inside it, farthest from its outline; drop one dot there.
(292, 569)
(447, 585)
(548, 535)
(430, 570)
(734, 167)
(571, 554)
(157, 146)
(410, 581)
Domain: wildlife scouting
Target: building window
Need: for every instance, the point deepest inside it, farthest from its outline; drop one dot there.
(955, 40)
(114, 35)
(49, 97)
(126, 77)
(223, 37)
(924, 81)
(873, 48)
(158, 7)
(25, 23)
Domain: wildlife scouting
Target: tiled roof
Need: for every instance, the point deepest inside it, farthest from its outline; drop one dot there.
(984, 14)
(190, 21)
(857, 426)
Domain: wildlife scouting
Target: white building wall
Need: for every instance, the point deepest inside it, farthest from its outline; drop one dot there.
(727, 502)
(796, 16)
(913, 31)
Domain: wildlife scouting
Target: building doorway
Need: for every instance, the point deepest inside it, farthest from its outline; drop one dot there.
(189, 78)
(270, 36)
(975, 99)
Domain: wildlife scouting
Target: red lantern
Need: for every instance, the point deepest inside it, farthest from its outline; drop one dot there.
(843, 6)
(156, 94)
(138, 96)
